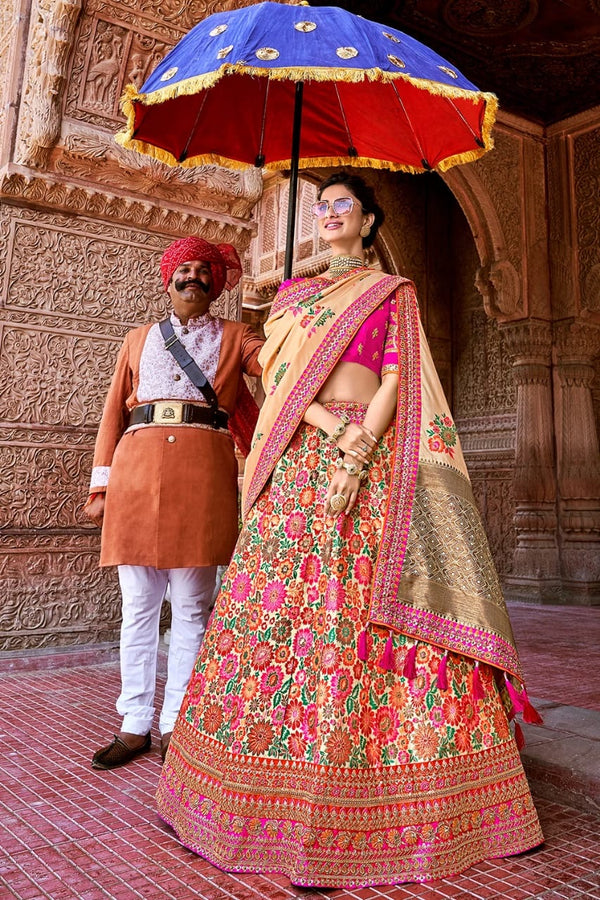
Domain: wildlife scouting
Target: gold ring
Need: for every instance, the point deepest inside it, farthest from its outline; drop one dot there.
(338, 502)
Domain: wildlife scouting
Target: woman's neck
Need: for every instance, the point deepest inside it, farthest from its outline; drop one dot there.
(341, 265)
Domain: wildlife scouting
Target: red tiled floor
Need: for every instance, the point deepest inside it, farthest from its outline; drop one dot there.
(67, 831)
(560, 651)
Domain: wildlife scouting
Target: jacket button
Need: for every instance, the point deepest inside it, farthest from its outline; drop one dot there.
(171, 439)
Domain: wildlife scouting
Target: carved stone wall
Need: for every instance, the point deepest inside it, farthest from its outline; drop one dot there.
(512, 240)
(82, 227)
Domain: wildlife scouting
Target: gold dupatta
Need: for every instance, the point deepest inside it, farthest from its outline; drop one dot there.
(460, 605)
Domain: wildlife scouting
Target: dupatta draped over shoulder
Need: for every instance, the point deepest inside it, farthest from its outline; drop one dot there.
(434, 579)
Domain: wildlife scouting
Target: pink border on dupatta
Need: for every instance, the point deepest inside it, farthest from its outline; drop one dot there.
(396, 525)
(316, 373)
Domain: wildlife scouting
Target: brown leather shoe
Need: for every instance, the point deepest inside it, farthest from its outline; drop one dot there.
(118, 753)
(164, 744)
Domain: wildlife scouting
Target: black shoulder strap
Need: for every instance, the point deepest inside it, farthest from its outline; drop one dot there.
(187, 363)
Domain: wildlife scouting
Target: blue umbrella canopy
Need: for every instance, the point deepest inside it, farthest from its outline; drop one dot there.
(372, 96)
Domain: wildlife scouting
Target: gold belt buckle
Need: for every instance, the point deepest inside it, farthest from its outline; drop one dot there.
(168, 413)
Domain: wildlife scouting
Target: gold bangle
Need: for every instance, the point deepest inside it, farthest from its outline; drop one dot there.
(351, 468)
(339, 429)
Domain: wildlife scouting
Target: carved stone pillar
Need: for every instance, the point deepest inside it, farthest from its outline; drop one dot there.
(536, 570)
(576, 345)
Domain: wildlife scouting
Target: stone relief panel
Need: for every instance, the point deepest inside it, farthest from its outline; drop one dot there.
(117, 44)
(70, 289)
(483, 380)
(494, 497)
(8, 30)
(54, 594)
(482, 20)
(52, 27)
(504, 165)
(62, 377)
(87, 275)
(586, 154)
(39, 486)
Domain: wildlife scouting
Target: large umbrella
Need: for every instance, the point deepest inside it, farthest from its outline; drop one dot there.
(284, 86)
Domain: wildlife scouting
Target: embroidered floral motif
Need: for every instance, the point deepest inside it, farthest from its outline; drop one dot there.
(279, 375)
(442, 435)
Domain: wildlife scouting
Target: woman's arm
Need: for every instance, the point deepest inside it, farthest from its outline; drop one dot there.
(382, 407)
(377, 418)
(355, 439)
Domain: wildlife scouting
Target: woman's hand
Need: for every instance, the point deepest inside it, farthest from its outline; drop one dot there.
(358, 442)
(347, 486)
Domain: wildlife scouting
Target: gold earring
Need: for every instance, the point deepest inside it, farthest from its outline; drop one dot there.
(365, 231)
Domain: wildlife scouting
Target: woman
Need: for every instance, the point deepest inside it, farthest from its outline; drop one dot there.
(347, 722)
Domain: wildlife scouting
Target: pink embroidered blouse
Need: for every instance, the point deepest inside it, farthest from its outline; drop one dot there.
(375, 343)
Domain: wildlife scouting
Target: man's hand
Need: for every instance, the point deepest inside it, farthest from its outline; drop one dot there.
(94, 510)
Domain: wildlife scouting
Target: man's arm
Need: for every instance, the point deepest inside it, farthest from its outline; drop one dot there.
(250, 348)
(112, 426)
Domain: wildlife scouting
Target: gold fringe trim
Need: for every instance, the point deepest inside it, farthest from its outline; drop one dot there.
(203, 82)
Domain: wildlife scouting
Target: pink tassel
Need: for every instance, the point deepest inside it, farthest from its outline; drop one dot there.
(442, 679)
(514, 695)
(477, 690)
(409, 670)
(387, 657)
(519, 738)
(530, 714)
(362, 649)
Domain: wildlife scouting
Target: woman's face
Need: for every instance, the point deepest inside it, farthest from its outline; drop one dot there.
(341, 230)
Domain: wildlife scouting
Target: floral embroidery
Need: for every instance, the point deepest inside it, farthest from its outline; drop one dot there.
(278, 376)
(442, 435)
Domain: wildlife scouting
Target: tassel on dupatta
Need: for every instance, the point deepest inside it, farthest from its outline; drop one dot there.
(410, 670)
(362, 648)
(442, 677)
(521, 703)
(387, 657)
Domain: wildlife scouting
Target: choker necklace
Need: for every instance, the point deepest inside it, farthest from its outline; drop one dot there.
(341, 265)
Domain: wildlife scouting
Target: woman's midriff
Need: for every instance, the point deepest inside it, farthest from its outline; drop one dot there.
(350, 382)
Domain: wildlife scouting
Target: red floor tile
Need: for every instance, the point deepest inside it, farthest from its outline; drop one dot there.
(67, 831)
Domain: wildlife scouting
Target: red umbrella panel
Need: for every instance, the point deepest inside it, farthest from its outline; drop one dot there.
(372, 95)
(281, 86)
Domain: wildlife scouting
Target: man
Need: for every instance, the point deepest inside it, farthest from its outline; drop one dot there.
(164, 481)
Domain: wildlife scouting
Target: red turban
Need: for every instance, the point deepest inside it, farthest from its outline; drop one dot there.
(223, 260)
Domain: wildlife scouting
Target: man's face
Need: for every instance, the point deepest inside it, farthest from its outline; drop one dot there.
(191, 289)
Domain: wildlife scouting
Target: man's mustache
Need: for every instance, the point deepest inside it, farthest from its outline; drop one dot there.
(181, 285)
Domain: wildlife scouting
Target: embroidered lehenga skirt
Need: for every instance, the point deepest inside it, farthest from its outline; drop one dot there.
(293, 756)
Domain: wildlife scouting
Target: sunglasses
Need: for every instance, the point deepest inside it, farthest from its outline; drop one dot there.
(340, 207)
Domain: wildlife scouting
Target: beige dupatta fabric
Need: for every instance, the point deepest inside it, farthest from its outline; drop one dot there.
(434, 579)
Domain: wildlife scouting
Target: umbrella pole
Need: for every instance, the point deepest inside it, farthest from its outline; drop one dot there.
(293, 194)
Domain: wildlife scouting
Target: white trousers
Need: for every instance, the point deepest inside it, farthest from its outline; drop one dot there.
(143, 589)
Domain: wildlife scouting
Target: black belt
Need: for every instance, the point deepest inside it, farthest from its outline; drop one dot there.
(174, 412)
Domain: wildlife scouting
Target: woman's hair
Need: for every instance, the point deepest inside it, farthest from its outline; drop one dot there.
(365, 195)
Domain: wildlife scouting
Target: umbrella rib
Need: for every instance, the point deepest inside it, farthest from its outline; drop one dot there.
(352, 151)
(184, 154)
(477, 139)
(424, 162)
(260, 157)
